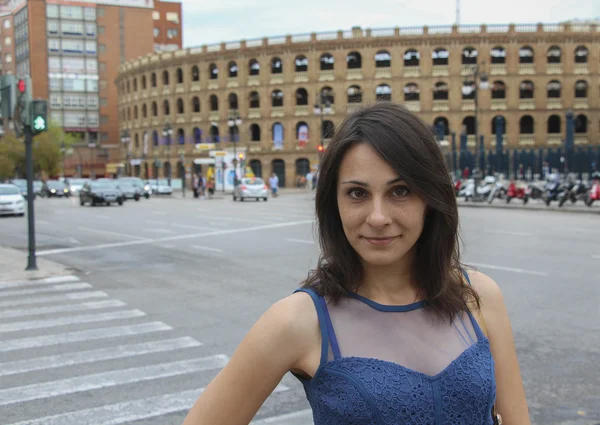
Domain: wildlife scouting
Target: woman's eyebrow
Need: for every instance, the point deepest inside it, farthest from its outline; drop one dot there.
(359, 183)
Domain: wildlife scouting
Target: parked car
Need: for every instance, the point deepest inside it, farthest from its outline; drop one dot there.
(160, 186)
(37, 187)
(55, 188)
(251, 187)
(75, 185)
(130, 191)
(22, 185)
(11, 200)
(100, 192)
(136, 181)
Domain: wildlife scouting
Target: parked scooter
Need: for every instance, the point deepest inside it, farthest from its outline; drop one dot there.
(594, 193)
(498, 192)
(536, 190)
(470, 192)
(518, 192)
(552, 189)
(573, 192)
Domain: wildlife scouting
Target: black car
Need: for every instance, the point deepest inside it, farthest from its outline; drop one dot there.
(130, 190)
(56, 188)
(100, 192)
(22, 185)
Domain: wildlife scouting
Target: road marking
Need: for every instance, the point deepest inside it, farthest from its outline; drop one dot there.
(173, 238)
(163, 231)
(49, 280)
(54, 298)
(133, 411)
(303, 241)
(106, 232)
(506, 232)
(217, 224)
(109, 379)
(302, 417)
(189, 226)
(79, 336)
(207, 248)
(69, 320)
(55, 288)
(509, 269)
(90, 356)
(66, 308)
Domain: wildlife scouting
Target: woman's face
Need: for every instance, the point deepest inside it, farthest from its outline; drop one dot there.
(382, 218)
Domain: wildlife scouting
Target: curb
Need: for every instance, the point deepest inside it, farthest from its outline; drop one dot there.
(530, 207)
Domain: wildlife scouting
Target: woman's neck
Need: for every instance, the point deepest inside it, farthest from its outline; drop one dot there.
(392, 285)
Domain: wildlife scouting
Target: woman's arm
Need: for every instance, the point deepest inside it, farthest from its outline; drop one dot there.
(274, 345)
(510, 394)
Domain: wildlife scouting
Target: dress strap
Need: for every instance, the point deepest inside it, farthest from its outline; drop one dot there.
(335, 348)
(476, 327)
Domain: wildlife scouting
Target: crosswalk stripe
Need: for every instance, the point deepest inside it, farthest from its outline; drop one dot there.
(66, 308)
(129, 411)
(302, 417)
(109, 379)
(69, 320)
(55, 288)
(52, 298)
(80, 336)
(90, 356)
(49, 280)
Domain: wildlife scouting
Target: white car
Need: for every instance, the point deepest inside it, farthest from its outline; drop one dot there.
(75, 185)
(11, 200)
(251, 187)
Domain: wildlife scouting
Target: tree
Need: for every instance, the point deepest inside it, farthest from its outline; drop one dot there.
(47, 153)
(12, 156)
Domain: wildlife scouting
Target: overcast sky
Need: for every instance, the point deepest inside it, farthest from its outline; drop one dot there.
(213, 21)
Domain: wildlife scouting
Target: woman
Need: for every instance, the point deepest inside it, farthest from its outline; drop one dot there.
(387, 329)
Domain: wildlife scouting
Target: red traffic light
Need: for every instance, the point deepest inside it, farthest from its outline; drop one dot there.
(320, 148)
(21, 86)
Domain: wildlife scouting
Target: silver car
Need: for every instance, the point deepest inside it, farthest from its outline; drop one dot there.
(251, 187)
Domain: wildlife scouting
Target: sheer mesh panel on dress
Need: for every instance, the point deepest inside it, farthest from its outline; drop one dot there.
(414, 339)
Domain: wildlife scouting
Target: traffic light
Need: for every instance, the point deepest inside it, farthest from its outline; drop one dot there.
(320, 148)
(38, 116)
(241, 156)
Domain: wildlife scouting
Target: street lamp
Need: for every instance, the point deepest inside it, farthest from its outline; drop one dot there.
(234, 122)
(167, 133)
(126, 140)
(322, 107)
(480, 82)
(63, 150)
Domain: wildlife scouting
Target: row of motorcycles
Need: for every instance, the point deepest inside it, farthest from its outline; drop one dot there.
(553, 189)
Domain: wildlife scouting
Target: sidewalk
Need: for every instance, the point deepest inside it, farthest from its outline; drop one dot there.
(13, 263)
(534, 205)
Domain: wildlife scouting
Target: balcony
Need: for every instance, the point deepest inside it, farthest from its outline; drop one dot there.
(581, 139)
(526, 140)
(580, 103)
(232, 82)
(153, 93)
(467, 70)
(354, 74)
(213, 116)
(468, 105)
(326, 75)
(253, 113)
(276, 79)
(471, 140)
(353, 107)
(554, 140)
(526, 104)
(180, 119)
(498, 69)
(301, 77)
(526, 69)
(136, 96)
(581, 68)
(498, 105)
(180, 89)
(166, 91)
(154, 122)
(253, 80)
(554, 104)
(413, 105)
(554, 68)
(301, 110)
(441, 105)
(144, 95)
(213, 84)
(195, 87)
(197, 118)
(255, 147)
(383, 73)
(493, 140)
(412, 71)
(440, 71)
(277, 111)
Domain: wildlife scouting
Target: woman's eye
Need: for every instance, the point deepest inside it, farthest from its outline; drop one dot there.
(356, 193)
(401, 191)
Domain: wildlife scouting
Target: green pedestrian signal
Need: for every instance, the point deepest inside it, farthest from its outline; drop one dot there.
(38, 115)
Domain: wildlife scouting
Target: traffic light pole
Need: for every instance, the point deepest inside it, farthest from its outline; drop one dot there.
(31, 260)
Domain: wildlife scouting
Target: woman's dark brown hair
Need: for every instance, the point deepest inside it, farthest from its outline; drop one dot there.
(406, 143)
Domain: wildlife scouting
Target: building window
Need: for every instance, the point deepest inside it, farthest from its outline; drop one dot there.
(71, 12)
(172, 33)
(52, 10)
(52, 27)
(7, 41)
(72, 46)
(156, 15)
(54, 64)
(55, 84)
(156, 32)
(6, 23)
(100, 12)
(101, 29)
(92, 85)
(53, 45)
(102, 67)
(173, 17)
(90, 14)
(103, 101)
(8, 58)
(91, 66)
(101, 48)
(103, 119)
(92, 101)
(90, 47)
(90, 30)
(55, 101)
(72, 28)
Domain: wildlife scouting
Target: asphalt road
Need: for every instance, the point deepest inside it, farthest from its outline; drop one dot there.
(177, 283)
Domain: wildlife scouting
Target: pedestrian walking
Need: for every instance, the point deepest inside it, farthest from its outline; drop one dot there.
(274, 184)
(389, 328)
(195, 185)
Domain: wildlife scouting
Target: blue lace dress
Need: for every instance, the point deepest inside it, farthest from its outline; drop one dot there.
(394, 365)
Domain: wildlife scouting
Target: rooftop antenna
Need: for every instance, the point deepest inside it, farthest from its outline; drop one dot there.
(457, 13)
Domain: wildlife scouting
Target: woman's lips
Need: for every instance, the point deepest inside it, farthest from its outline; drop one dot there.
(381, 241)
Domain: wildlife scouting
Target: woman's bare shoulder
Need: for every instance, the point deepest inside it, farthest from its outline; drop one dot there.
(296, 312)
(487, 289)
